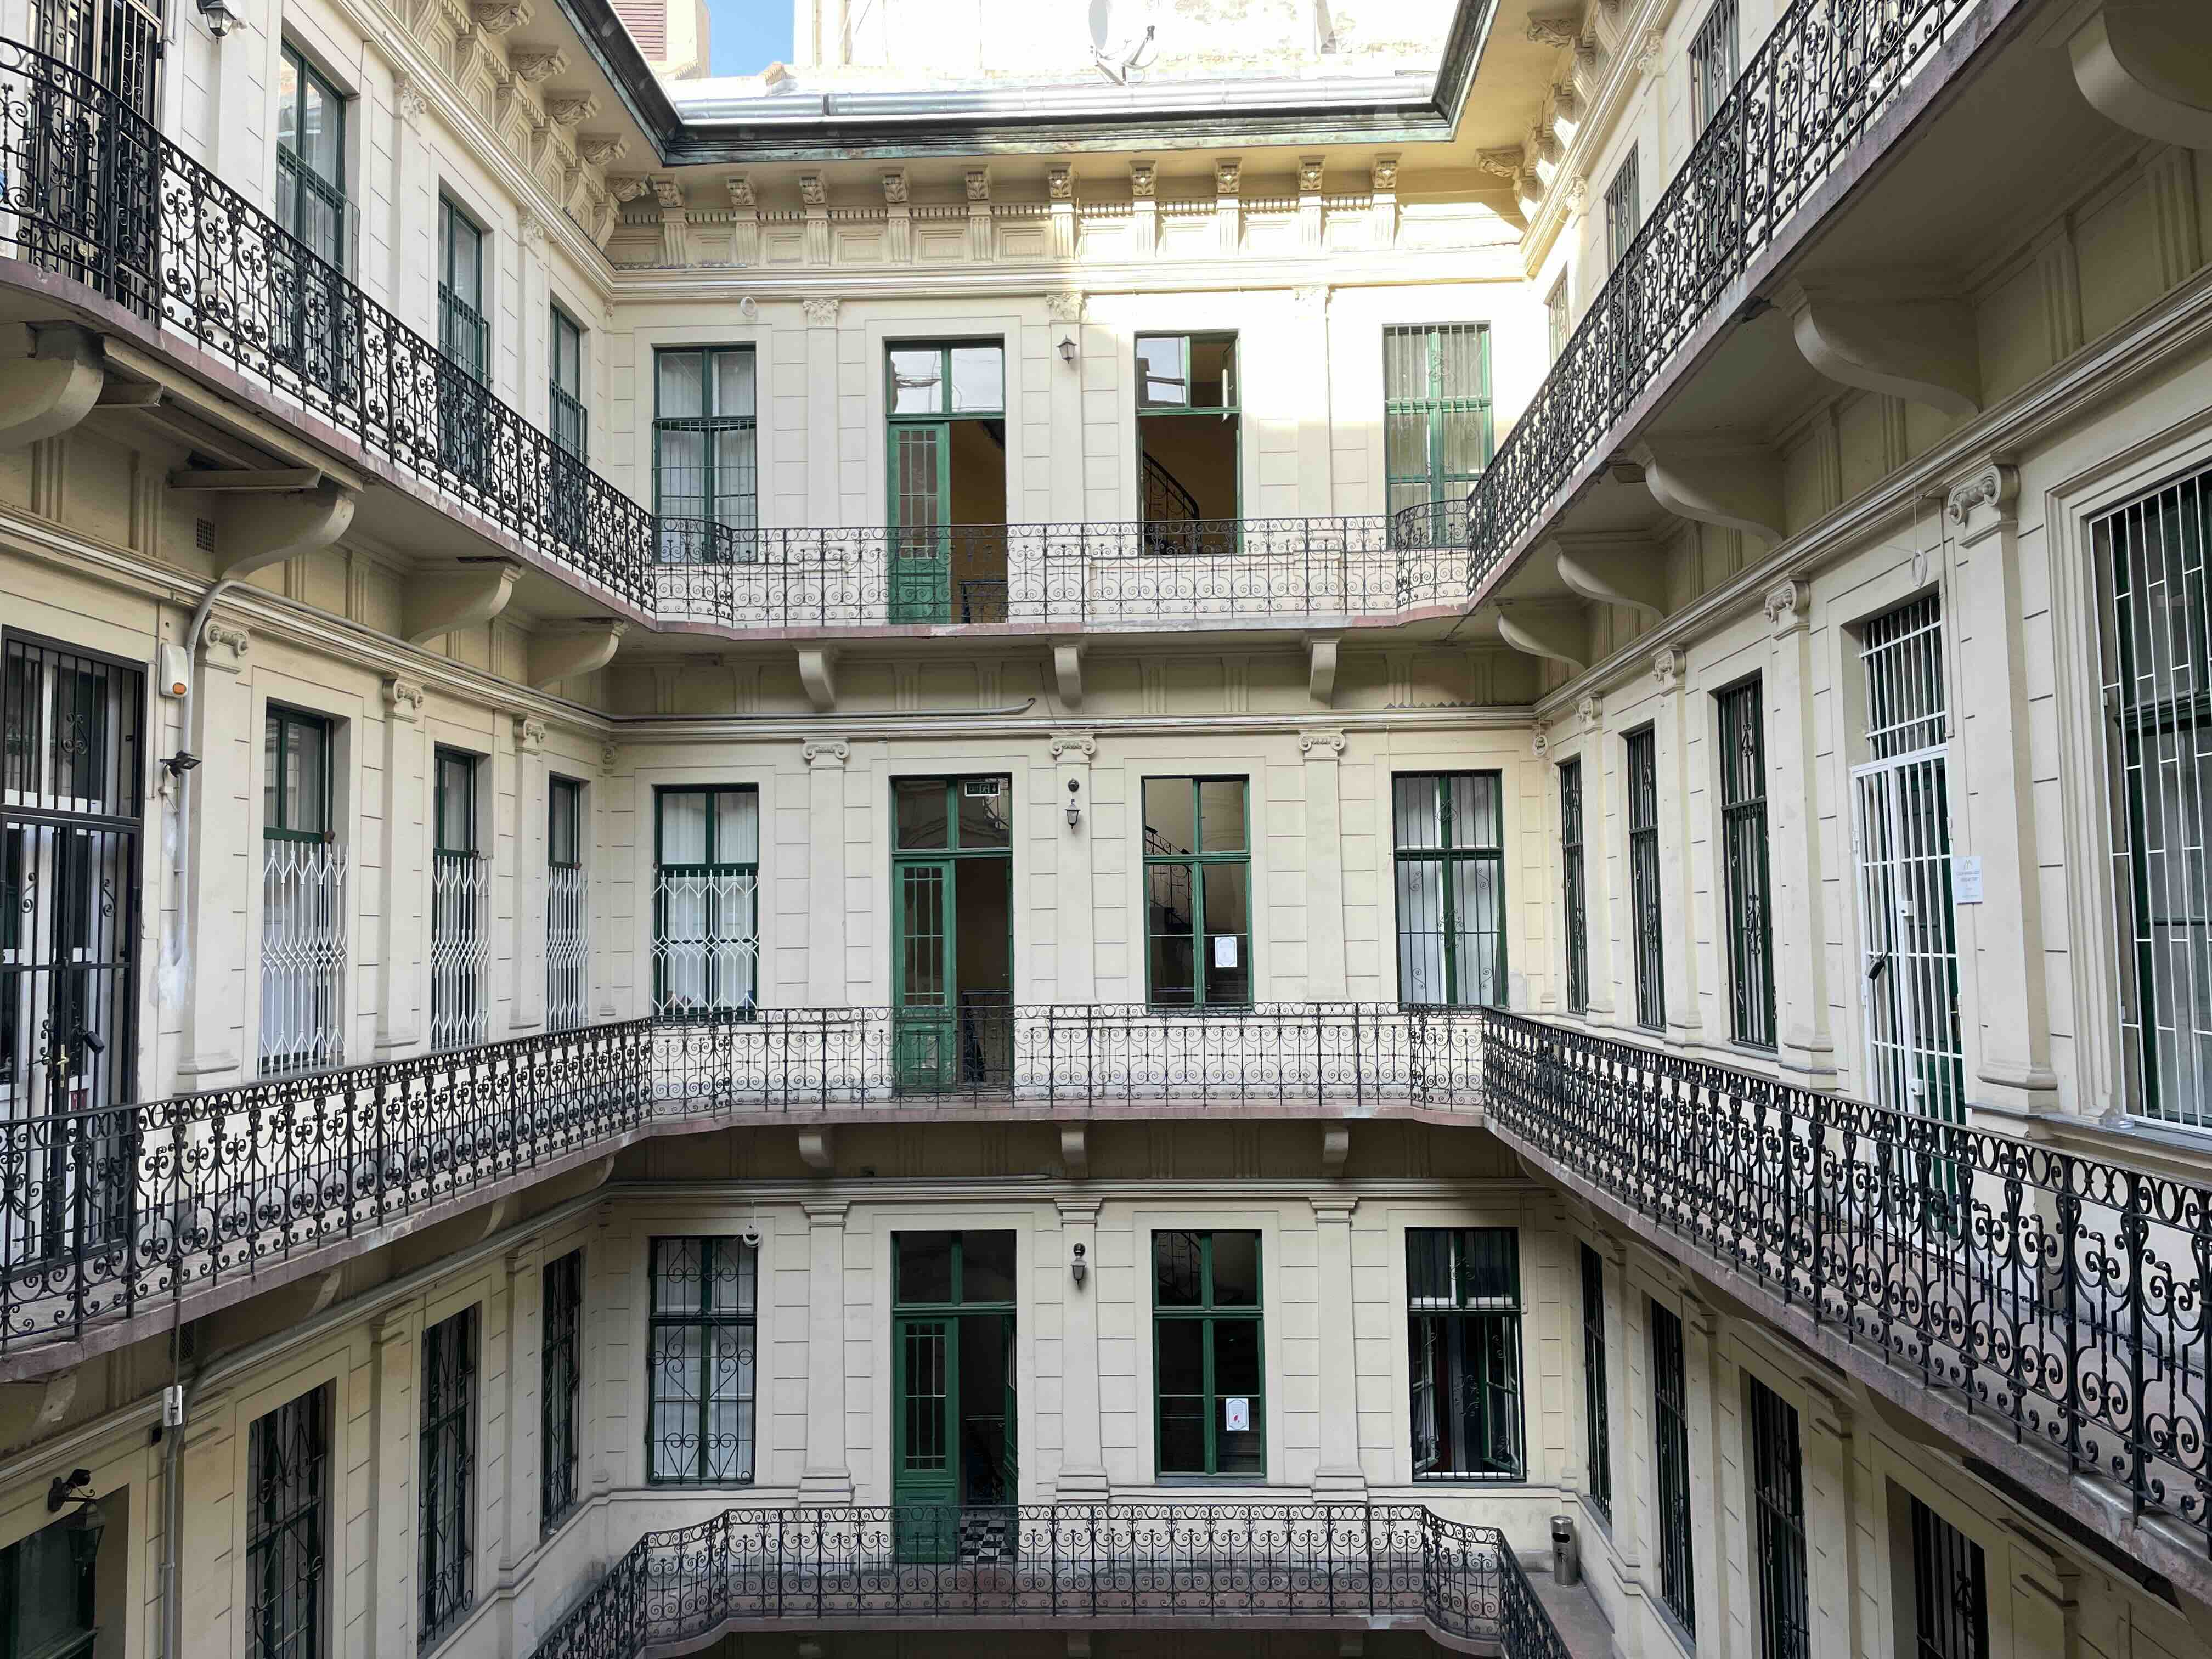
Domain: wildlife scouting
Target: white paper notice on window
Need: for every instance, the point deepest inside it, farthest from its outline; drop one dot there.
(1235, 1416)
(1224, 949)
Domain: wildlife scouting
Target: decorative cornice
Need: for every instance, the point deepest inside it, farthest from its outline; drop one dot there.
(1504, 163)
(500, 16)
(602, 150)
(1563, 29)
(628, 187)
(571, 110)
(531, 64)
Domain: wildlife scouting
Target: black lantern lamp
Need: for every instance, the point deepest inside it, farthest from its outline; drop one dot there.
(89, 1522)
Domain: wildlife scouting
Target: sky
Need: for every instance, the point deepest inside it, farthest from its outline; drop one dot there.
(745, 36)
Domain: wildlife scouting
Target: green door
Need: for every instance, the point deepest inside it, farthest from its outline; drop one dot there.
(925, 1474)
(923, 1033)
(922, 546)
(1008, 1472)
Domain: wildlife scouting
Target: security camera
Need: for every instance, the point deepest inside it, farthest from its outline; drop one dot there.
(750, 1236)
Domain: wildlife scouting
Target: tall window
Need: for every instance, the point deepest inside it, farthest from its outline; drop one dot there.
(1950, 1590)
(287, 1529)
(560, 1391)
(1187, 424)
(1743, 842)
(706, 459)
(1670, 1437)
(310, 203)
(1451, 888)
(447, 1476)
(2157, 666)
(699, 1367)
(463, 333)
(1575, 909)
(460, 909)
(1207, 1355)
(1712, 63)
(946, 451)
(1597, 1409)
(1643, 879)
(46, 1596)
(1622, 212)
(706, 905)
(303, 920)
(1436, 418)
(1198, 893)
(568, 910)
(1558, 317)
(1778, 1490)
(564, 391)
(1463, 1306)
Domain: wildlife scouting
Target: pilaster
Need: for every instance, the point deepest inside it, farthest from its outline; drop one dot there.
(827, 1478)
(1338, 1478)
(1082, 1458)
(1326, 974)
(1309, 313)
(1800, 991)
(223, 870)
(528, 1006)
(1075, 968)
(400, 945)
(1670, 760)
(821, 481)
(825, 870)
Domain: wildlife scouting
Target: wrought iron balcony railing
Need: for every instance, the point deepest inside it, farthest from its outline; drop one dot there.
(103, 1214)
(2058, 1296)
(1133, 1564)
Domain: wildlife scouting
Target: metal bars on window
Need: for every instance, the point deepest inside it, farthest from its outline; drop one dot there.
(1670, 1457)
(447, 1478)
(1450, 862)
(2155, 628)
(706, 464)
(460, 910)
(706, 899)
(288, 1528)
(561, 1390)
(1436, 416)
(1572, 899)
(1712, 63)
(567, 908)
(699, 1362)
(1622, 211)
(1778, 1490)
(303, 907)
(1744, 858)
(1950, 1590)
(1463, 1308)
(1597, 1409)
(1643, 761)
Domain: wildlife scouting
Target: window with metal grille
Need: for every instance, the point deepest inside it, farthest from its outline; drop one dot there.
(1644, 878)
(1950, 1590)
(446, 1512)
(699, 1362)
(565, 383)
(1558, 317)
(460, 909)
(1198, 893)
(1451, 888)
(1778, 1491)
(2157, 670)
(1712, 63)
(1597, 1408)
(1670, 1437)
(1575, 911)
(1436, 416)
(463, 335)
(567, 910)
(705, 902)
(313, 316)
(706, 457)
(1744, 855)
(48, 1597)
(560, 1390)
(1622, 212)
(303, 915)
(288, 1528)
(1463, 1316)
(1208, 1365)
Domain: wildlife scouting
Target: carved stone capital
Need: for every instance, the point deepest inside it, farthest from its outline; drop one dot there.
(825, 752)
(1311, 300)
(977, 181)
(1310, 175)
(1650, 49)
(1590, 711)
(1577, 193)
(1788, 606)
(1228, 175)
(1059, 183)
(1144, 179)
(1321, 745)
(1988, 500)
(1383, 175)
(741, 192)
(602, 150)
(1562, 29)
(1081, 743)
(530, 228)
(534, 63)
(224, 645)
(893, 189)
(669, 193)
(628, 187)
(609, 757)
(402, 699)
(529, 733)
(821, 312)
(814, 189)
(1668, 667)
(1505, 163)
(1066, 307)
(499, 17)
(407, 99)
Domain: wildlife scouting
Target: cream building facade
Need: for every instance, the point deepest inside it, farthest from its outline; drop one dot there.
(1084, 865)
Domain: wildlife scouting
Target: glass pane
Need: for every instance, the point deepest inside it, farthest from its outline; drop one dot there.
(456, 810)
(731, 1289)
(1161, 380)
(468, 253)
(987, 1267)
(1428, 1265)
(1228, 933)
(920, 806)
(1177, 1260)
(922, 906)
(682, 386)
(1406, 443)
(735, 475)
(306, 764)
(1476, 897)
(683, 470)
(561, 822)
(917, 386)
(1416, 806)
(917, 495)
(1183, 1434)
(1213, 373)
(1171, 980)
(1237, 1356)
(1180, 1355)
(319, 131)
(925, 1266)
(272, 782)
(674, 1362)
(979, 378)
(678, 1281)
(737, 826)
(684, 826)
(1466, 440)
(734, 383)
(1221, 815)
(288, 106)
(986, 820)
(1403, 495)
(1420, 931)
(1460, 362)
(1168, 825)
(1237, 1271)
(1476, 819)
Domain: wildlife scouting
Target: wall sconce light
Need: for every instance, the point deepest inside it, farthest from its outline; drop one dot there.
(1077, 1266)
(1074, 812)
(1066, 341)
(219, 19)
(182, 762)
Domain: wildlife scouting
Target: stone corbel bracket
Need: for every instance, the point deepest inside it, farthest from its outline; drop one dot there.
(1880, 334)
(1732, 484)
(51, 387)
(1623, 570)
(441, 605)
(817, 673)
(1321, 651)
(1556, 632)
(2146, 65)
(1068, 672)
(557, 657)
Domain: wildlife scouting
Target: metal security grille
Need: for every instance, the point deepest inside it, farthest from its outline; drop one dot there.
(1743, 840)
(71, 797)
(560, 1390)
(1670, 1448)
(303, 915)
(1622, 211)
(1643, 879)
(448, 1475)
(1712, 63)
(1950, 1594)
(2157, 670)
(567, 911)
(1435, 414)
(1463, 1305)
(287, 1529)
(1777, 1489)
(1901, 842)
(460, 910)
(114, 43)
(1576, 914)
(1451, 888)
(1597, 1413)
(699, 1362)
(706, 899)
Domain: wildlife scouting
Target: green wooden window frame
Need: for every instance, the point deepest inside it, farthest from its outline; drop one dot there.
(1169, 871)
(1463, 1332)
(1467, 851)
(295, 786)
(564, 383)
(1229, 1334)
(1573, 893)
(564, 824)
(701, 1373)
(311, 193)
(1597, 1400)
(456, 828)
(711, 519)
(1670, 1456)
(946, 405)
(1745, 863)
(1623, 210)
(729, 897)
(1558, 317)
(447, 1477)
(463, 330)
(1646, 905)
(918, 466)
(560, 1390)
(1713, 50)
(1779, 1554)
(1149, 367)
(1436, 413)
(1164, 502)
(287, 1535)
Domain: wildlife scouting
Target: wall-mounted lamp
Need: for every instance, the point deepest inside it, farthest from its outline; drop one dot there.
(182, 762)
(1067, 343)
(1077, 1266)
(219, 19)
(89, 1522)
(1074, 812)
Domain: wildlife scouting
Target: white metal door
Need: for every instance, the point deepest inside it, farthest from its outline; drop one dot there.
(1901, 846)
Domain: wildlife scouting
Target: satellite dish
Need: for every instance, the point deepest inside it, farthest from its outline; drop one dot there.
(1123, 38)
